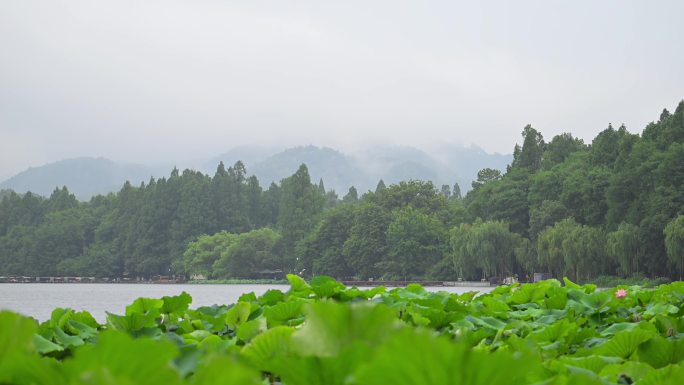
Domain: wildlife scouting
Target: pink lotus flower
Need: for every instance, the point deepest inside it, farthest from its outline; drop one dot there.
(621, 293)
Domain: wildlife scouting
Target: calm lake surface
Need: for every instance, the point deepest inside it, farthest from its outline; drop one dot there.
(39, 299)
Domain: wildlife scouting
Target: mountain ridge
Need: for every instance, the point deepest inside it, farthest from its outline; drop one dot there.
(89, 176)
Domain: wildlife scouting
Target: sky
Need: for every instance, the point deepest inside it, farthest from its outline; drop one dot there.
(159, 81)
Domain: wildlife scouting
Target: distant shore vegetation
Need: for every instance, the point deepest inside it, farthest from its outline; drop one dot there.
(612, 207)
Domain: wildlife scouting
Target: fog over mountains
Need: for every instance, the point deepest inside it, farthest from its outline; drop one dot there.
(87, 176)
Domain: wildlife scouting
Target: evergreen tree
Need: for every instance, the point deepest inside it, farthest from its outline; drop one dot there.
(446, 191)
(352, 196)
(530, 155)
(456, 192)
(300, 207)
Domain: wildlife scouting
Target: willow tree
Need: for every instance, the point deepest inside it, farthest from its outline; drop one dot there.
(465, 264)
(485, 245)
(569, 248)
(623, 246)
(550, 247)
(584, 252)
(674, 243)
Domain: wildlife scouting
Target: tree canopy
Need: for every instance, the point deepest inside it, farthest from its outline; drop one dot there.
(610, 207)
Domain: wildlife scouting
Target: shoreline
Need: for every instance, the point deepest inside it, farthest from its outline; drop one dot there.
(358, 283)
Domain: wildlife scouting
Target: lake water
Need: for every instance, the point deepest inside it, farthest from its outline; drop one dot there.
(39, 299)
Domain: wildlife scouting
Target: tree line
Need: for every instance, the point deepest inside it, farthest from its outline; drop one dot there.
(611, 207)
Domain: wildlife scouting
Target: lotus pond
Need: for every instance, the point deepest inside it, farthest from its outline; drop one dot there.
(324, 333)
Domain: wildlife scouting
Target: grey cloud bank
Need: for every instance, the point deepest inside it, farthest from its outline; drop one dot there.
(160, 81)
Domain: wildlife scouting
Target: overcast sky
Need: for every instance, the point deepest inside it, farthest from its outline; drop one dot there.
(172, 80)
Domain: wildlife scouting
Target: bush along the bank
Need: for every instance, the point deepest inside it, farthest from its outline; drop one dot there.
(325, 333)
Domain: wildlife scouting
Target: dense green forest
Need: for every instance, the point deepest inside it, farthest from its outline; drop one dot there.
(612, 207)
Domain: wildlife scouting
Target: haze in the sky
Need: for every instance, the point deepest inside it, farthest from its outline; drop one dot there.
(152, 81)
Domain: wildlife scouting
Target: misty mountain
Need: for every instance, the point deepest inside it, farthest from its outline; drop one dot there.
(249, 155)
(84, 177)
(337, 170)
(363, 170)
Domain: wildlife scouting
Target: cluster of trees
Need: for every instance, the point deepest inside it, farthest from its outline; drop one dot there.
(139, 231)
(612, 207)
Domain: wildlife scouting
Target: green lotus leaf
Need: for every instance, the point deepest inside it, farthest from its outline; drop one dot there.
(418, 357)
(22, 369)
(326, 287)
(248, 297)
(45, 346)
(660, 308)
(283, 312)
(627, 371)
(619, 327)
(16, 334)
(66, 340)
(467, 296)
(85, 318)
(592, 363)
(578, 307)
(117, 358)
(438, 318)
(659, 352)
(132, 322)
(354, 292)
(145, 306)
(668, 325)
(494, 306)
(81, 330)
(238, 314)
(487, 322)
(416, 317)
(19, 361)
(59, 317)
(588, 289)
(554, 332)
(330, 327)
(275, 352)
(597, 301)
(250, 329)
(197, 335)
(298, 286)
(212, 318)
(214, 343)
(527, 314)
(502, 290)
(576, 378)
(526, 294)
(225, 371)
(269, 347)
(669, 375)
(176, 304)
(189, 358)
(556, 298)
(271, 297)
(625, 343)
